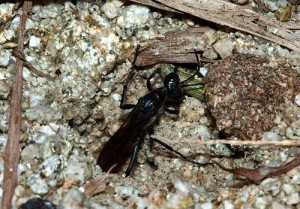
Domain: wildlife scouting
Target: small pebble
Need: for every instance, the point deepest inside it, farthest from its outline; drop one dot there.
(117, 97)
(228, 205)
(4, 89)
(293, 199)
(134, 16)
(261, 202)
(42, 114)
(111, 9)
(207, 205)
(37, 184)
(224, 47)
(209, 36)
(4, 57)
(277, 205)
(78, 172)
(74, 199)
(294, 58)
(288, 188)
(272, 5)
(124, 191)
(210, 53)
(271, 136)
(34, 42)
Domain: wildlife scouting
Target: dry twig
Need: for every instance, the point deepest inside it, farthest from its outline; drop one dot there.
(12, 152)
(20, 55)
(259, 174)
(283, 143)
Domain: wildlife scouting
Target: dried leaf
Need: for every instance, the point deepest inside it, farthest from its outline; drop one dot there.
(97, 185)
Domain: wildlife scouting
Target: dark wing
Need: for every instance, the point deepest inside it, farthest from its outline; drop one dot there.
(120, 146)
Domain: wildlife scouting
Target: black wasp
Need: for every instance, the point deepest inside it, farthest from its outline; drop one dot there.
(128, 139)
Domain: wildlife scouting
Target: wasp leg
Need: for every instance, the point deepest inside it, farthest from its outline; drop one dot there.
(130, 76)
(134, 155)
(171, 111)
(168, 147)
(123, 98)
(157, 71)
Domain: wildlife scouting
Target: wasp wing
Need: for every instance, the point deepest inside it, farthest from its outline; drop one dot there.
(120, 146)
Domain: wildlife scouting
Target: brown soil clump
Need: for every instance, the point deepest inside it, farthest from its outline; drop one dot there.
(244, 94)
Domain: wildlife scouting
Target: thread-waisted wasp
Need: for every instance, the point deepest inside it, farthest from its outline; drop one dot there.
(128, 139)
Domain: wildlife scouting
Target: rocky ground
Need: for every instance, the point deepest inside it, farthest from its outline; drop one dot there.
(66, 121)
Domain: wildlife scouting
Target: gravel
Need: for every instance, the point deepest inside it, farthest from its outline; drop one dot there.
(67, 121)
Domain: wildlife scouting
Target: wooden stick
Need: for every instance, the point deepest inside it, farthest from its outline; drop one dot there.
(12, 151)
(283, 143)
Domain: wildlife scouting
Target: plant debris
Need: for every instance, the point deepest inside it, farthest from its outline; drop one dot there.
(238, 17)
(259, 174)
(165, 49)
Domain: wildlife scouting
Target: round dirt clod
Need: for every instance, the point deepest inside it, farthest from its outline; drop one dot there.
(244, 93)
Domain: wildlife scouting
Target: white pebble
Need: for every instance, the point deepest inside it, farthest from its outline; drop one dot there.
(270, 136)
(277, 205)
(142, 203)
(124, 191)
(78, 172)
(224, 47)
(261, 202)
(4, 57)
(202, 131)
(37, 184)
(228, 205)
(74, 199)
(29, 24)
(50, 165)
(111, 9)
(42, 114)
(207, 205)
(134, 16)
(9, 34)
(293, 199)
(203, 71)
(117, 97)
(184, 187)
(34, 42)
(288, 188)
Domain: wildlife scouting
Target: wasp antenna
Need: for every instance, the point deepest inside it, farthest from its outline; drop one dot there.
(175, 69)
(196, 72)
(198, 60)
(136, 54)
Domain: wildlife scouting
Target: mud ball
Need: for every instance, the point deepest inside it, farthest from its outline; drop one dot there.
(244, 94)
